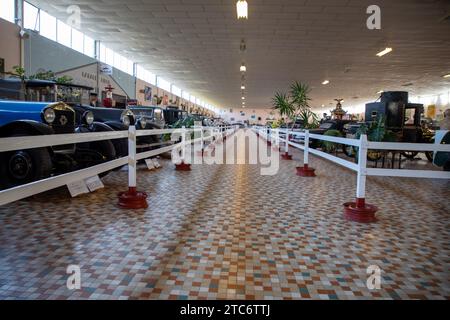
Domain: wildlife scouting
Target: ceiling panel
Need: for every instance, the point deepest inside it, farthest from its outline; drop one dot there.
(195, 44)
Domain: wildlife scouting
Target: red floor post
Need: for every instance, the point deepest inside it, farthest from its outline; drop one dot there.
(359, 210)
(306, 171)
(286, 155)
(183, 166)
(132, 199)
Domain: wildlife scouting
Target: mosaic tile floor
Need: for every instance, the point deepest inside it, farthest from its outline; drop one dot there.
(226, 232)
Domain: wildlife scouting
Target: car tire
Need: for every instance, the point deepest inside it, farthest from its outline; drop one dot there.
(37, 163)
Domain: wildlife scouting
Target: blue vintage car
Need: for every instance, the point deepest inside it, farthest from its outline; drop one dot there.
(20, 118)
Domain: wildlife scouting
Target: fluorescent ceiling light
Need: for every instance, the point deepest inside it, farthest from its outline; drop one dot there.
(243, 68)
(243, 87)
(242, 9)
(326, 82)
(243, 98)
(384, 52)
(446, 76)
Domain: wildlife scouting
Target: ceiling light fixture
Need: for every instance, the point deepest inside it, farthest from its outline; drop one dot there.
(380, 92)
(384, 52)
(446, 76)
(326, 82)
(243, 98)
(243, 68)
(242, 9)
(242, 87)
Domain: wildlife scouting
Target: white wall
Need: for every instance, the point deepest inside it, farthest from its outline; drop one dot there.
(9, 44)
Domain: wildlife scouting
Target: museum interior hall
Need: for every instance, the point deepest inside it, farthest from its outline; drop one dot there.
(230, 150)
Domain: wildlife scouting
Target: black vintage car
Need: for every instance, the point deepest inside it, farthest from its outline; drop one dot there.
(173, 114)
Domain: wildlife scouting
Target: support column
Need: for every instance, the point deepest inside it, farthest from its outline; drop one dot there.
(183, 166)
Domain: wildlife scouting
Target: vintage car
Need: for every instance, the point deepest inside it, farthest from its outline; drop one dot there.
(20, 118)
(173, 114)
(154, 118)
(77, 97)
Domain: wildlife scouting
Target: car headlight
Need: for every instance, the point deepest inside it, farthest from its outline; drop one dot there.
(49, 115)
(126, 120)
(143, 123)
(88, 118)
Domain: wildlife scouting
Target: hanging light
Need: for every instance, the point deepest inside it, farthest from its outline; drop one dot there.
(243, 68)
(242, 9)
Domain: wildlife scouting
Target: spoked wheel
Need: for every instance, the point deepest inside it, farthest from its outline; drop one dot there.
(410, 154)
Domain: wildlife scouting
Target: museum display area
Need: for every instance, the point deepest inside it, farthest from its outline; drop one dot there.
(224, 150)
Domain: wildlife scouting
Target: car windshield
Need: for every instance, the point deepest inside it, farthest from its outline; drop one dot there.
(326, 125)
(147, 112)
(71, 94)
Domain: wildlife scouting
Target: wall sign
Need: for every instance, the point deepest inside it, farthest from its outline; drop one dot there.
(105, 69)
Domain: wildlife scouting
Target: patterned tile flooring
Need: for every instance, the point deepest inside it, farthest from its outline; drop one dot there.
(227, 232)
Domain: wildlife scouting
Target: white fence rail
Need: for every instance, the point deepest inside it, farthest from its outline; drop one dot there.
(363, 145)
(29, 142)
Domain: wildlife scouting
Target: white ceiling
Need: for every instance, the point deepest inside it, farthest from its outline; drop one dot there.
(195, 45)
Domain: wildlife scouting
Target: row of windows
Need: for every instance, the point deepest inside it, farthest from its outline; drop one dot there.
(56, 30)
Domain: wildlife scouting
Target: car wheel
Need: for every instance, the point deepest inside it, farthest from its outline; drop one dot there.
(24, 166)
(107, 150)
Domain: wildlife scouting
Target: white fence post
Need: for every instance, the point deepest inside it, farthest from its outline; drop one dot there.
(306, 152)
(132, 199)
(132, 157)
(183, 143)
(362, 168)
(360, 211)
(286, 147)
(306, 171)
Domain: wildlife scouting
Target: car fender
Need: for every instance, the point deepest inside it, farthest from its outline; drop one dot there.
(29, 126)
(116, 125)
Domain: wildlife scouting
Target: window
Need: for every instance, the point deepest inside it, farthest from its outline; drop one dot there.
(47, 25)
(31, 17)
(102, 53)
(192, 99)
(89, 47)
(176, 91)
(77, 41)
(145, 75)
(185, 95)
(109, 56)
(7, 10)
(163, 84)
(64, 34)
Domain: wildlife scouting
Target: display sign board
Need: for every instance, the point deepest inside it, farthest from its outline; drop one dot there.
(94, 183)
(77, 188)
(150, 164)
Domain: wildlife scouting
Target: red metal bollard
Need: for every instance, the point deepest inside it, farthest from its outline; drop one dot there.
(286, 156)
(182, 166)
(360, 211)
(306, 171)
(132, 199)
